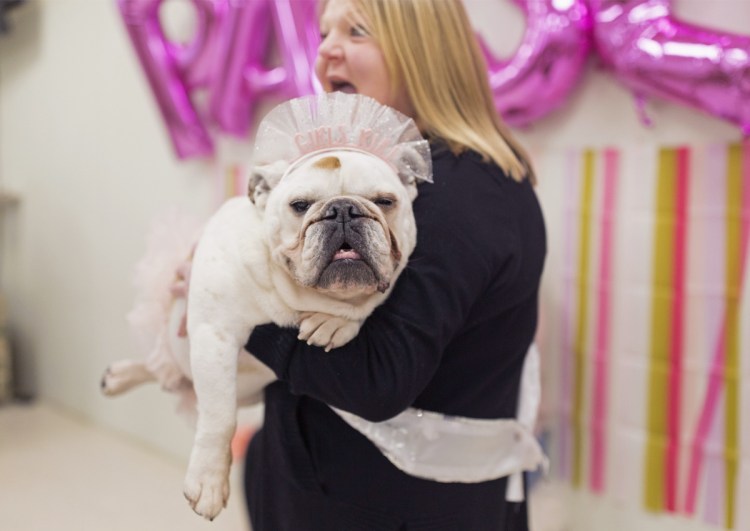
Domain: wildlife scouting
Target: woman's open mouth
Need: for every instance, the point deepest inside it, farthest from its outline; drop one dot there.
(343, 86)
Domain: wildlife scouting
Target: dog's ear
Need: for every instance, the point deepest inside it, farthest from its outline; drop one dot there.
(263, 179)
(411, 164)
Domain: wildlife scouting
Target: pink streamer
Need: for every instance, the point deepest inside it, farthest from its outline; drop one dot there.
(704, 423)
(714, 484)
(713, 198)
(716, 372)
(703, 427)
(601, 365)
(674, 397)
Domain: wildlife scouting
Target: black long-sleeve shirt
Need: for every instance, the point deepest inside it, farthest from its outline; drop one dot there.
(451, 338)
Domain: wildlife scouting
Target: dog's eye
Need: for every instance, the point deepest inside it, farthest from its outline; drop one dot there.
(300, 206)
(384, 202)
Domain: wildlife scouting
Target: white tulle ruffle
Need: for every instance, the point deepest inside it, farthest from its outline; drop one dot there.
(169, 246)
(312, 124)
(455, 449)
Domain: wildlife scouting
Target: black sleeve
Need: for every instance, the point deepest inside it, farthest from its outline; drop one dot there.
(382, 370)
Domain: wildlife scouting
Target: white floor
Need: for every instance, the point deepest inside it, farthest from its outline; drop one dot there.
(58, 473)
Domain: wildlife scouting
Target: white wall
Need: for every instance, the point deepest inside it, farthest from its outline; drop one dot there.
(82, 143)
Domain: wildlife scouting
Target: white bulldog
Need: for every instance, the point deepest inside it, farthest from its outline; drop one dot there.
(319, 245)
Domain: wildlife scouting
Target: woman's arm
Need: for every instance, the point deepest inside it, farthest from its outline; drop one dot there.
(382, 370)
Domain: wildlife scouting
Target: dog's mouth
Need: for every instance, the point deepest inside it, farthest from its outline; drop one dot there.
(346, 253)
(351, 269)
(345, 250)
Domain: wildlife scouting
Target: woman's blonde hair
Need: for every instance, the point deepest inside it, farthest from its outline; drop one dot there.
(430, 49)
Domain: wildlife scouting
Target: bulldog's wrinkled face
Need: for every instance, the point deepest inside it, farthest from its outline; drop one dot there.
(341, 222)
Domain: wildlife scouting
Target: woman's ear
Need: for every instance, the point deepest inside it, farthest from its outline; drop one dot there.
(262, 180)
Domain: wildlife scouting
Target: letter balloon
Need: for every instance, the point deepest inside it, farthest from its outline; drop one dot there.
(655, 54)
(244, 78)
(173, 70)
(646, 47)
(547, 64)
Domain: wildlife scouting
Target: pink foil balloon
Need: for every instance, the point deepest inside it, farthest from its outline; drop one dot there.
(547, 64)
(657, 55)
(173, 70)
(640, 40)
(244, 78)
(200, 60)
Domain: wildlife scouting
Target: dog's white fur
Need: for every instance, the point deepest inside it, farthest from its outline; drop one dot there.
(263, 260)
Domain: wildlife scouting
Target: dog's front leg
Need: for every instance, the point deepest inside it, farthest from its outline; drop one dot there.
(328, 331)
(213, 358)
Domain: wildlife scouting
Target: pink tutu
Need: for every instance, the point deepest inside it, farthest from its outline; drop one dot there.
(158, 307)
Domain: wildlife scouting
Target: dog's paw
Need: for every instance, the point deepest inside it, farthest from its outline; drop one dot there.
(328, 331)
(206, 486)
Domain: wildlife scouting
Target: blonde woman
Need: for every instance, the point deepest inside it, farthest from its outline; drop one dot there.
(387, 431)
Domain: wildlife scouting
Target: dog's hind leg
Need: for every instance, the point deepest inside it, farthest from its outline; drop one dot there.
(123, 375)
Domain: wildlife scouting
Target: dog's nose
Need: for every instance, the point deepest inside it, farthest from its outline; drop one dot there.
(342, 211)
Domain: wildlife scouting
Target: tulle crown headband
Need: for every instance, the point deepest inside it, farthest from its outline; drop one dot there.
(302, 127)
